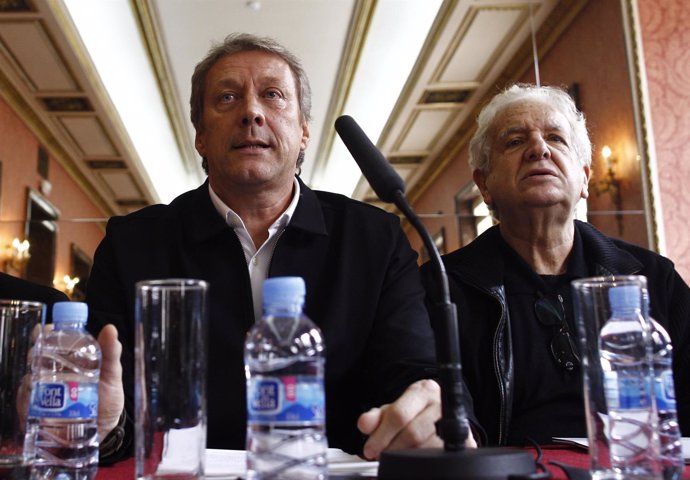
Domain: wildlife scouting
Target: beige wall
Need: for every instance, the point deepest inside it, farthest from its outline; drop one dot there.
(19, 157)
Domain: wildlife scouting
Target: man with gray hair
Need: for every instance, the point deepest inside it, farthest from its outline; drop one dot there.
(254, 218)
(531, 157)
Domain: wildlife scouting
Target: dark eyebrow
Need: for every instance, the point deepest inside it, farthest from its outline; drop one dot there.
(272, 80)
(224, 83)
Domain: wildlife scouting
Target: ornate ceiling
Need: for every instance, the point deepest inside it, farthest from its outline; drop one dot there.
(473, 46)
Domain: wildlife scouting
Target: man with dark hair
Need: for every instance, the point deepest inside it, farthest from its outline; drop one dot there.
(255, 218)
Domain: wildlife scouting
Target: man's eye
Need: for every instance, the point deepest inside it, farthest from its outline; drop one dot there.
(557, 138)
(513, 142)
(227, 97)
(273, 94)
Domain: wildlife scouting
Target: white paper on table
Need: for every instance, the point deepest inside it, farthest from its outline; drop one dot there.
(181, 450)
(584, 443)
(232, 463)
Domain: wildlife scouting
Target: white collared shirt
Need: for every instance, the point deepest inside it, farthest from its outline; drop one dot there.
(258, 260)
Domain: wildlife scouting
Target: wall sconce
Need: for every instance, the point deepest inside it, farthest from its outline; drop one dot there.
(611, 184)
(66, 285)
(17, 254)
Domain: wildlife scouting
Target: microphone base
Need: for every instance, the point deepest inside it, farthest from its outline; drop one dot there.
(438, 464)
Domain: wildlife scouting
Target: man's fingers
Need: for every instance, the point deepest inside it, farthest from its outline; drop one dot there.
(111, 349)
(368, 421)
(111, 398)
(418, 433)
(407, 422)
(470, 442)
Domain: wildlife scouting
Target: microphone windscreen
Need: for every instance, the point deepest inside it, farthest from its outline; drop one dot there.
(379, 173)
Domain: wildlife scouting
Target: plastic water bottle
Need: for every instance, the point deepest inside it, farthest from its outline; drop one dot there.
(626, 358)
(61, 440)
(670, 446)
(671, 449)
(284, 365)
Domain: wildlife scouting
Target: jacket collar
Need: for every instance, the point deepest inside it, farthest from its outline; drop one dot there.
(202, 221)
(478, 263)
(607, 257)
(200, 218)
(308, 215)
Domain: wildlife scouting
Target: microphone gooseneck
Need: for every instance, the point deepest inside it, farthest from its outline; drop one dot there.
(453, 427)
(454, 461)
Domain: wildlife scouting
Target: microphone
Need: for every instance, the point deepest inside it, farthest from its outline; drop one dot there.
(454, 461)
(383, 179)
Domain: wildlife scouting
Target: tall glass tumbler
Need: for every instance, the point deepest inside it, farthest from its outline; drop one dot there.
(170, 378)
(622, 439)
(20, 328)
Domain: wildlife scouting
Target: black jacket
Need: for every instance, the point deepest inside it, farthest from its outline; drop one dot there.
(475, 275)
(363, 290)
(13, 288)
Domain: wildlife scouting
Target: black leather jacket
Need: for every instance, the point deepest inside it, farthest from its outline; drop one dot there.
(475, 275)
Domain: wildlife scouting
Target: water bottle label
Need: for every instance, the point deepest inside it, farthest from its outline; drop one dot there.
(665, 392)
(64, 400)
(298, 399)
(625, 392)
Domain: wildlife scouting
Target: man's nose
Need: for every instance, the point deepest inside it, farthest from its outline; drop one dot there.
(253, 113)
(537, 149)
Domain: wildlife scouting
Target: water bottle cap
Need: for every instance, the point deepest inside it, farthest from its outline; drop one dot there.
(283, 290)
(625, 298)
(70, 312)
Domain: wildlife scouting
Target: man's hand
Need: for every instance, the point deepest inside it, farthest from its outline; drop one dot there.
(111, 394)
(409, 422)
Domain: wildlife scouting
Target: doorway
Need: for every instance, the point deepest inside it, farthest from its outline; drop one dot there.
(41, 232)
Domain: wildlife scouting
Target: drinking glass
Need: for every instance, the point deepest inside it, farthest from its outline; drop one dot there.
(170, 378)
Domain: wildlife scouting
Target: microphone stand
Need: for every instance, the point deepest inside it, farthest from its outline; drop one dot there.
(454, 461)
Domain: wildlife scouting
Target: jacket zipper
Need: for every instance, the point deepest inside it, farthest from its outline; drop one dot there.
(499, 377)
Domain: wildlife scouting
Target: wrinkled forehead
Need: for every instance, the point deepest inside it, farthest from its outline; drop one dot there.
(257, 65)
(526, 115)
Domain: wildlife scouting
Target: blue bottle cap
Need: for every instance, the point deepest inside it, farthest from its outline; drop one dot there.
(625, 298)
(70, 312)
(284, 290)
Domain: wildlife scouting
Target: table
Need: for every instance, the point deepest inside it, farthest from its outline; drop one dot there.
(571, 456)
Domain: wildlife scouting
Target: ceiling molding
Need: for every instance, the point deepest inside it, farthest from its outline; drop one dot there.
(36, 124)
(145, 14)
(15, 6)
(470, 21)
(423, 119)
(437, 28)
(548, 33)
(104, 109)
(352, 52)
(48, 79)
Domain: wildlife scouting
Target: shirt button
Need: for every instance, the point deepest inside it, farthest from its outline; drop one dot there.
(255, 261)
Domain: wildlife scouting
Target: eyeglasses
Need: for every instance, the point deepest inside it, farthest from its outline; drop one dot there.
(563, 348)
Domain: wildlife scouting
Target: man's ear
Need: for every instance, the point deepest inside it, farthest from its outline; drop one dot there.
(199, 143)
(305, 136)
(480, 180)
(585, 184)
